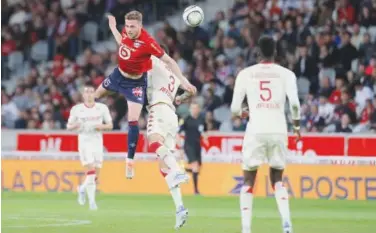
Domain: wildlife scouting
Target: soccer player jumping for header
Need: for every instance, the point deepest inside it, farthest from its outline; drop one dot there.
(135, 49)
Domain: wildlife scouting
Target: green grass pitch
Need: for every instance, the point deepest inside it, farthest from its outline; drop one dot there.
(59, 213)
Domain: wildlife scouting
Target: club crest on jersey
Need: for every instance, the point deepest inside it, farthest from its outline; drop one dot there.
(136, 44)
(137, 91)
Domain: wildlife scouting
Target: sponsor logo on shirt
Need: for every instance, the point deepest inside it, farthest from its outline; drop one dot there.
(137, 91)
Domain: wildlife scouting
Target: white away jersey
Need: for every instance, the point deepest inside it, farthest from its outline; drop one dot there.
(266, 86)
(162, 84)
(88, 117)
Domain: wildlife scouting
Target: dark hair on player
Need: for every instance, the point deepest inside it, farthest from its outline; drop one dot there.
(267, 47)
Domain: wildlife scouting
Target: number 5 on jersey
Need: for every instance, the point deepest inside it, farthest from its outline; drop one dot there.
(266, 93)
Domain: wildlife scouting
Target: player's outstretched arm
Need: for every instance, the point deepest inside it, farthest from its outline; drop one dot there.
(171, 63)
(239, 94)
(292, 95)
(115, 32)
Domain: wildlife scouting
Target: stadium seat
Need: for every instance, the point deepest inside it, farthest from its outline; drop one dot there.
(89, 32)
(303, 87)
(39, 51)
(15, 60)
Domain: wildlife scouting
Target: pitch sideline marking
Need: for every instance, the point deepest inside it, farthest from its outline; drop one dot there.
(59, 222)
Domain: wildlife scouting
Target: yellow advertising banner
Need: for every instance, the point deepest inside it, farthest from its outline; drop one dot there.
(216, 179)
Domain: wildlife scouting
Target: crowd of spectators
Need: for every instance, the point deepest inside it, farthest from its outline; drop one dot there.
(329, 44)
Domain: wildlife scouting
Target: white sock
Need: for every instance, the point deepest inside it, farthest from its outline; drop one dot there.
(175, 192)
(282, 198)
(91, 187)
(168, 158)
(246, 201)
(177, 197)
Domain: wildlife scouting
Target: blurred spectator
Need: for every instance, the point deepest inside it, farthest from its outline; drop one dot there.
(306, 67)
(373, 117)
(344, 126)
(210, 123)
(326, 109)
(365, 117)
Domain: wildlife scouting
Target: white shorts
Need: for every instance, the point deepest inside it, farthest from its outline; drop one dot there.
(162, 120)
(264, 148)
(91, 154)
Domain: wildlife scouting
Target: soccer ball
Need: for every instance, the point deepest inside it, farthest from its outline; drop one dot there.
(193, 16)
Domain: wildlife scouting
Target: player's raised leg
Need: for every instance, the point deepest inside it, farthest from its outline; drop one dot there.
(172, 173)
(181, 211)
(246, 199)
(175, 176)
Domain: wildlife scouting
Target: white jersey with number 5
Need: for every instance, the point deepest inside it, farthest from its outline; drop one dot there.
(266, 86)
(162, 84)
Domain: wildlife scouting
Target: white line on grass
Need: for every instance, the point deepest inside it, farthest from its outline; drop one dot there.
(59, 222)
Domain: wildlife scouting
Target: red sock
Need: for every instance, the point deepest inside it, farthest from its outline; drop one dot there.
(164, 172)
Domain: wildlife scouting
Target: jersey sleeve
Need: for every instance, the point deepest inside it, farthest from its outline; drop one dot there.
(155, 49)
(106, 115)
(239, 94)
(292, 95)
(73, 115)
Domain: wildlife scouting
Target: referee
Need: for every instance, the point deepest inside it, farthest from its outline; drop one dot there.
(193, 127)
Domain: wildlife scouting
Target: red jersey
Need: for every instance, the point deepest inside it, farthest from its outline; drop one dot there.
(134, 54)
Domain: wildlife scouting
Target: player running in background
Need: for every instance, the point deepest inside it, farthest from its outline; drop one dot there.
(135, 49)
(89, 119)
(162, 129)
(266, 85)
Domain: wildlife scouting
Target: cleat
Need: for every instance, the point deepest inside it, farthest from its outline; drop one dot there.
(181, 217)
(93, 206)
(81, 199)
(129, 169)
(287, 227)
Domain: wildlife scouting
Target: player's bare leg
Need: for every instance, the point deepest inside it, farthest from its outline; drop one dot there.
(173, 175)
(134, 112)
(246, 199)
(282, 198)
(100, 92)
(176, 175)
(88, 187)
(181, 211)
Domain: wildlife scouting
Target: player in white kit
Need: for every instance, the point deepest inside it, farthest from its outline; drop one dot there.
(89, 119)
(162, 129)
(266, 86)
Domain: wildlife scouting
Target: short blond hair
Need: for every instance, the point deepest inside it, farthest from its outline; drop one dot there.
(134, 15)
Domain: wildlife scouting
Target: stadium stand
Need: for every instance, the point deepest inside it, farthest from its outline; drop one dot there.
(51, 48)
